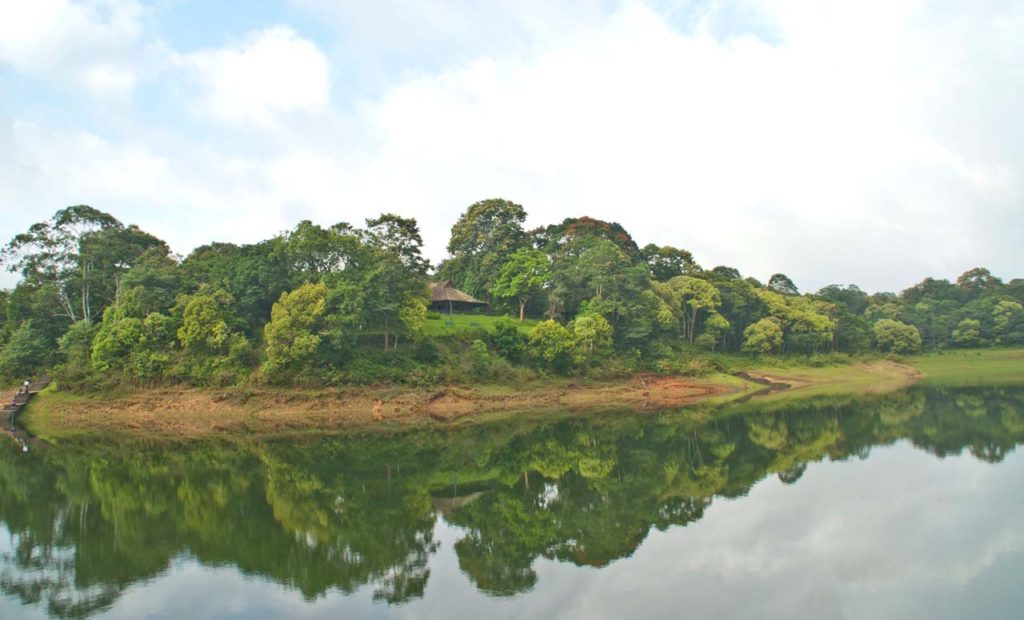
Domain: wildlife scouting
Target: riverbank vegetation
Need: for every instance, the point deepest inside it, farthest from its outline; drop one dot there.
(105, 305)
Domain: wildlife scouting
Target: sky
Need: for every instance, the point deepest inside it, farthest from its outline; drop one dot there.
(868, 142)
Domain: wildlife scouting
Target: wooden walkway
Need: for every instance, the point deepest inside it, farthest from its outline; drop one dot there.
(11, 409)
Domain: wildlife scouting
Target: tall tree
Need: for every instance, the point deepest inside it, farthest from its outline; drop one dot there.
(401, 237)
(395, 273)
(79, 254)
(667, 262)
(556, 236)
(780, 283)
(482, 241)
(523, 277)
(695, 298)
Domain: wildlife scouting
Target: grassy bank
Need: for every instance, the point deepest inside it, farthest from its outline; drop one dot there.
(444, 324)
(194, 412)
(972, 367)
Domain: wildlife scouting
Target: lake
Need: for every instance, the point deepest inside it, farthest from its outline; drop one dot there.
(907, 505)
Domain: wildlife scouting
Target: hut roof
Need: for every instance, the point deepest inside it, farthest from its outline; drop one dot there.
(445, 291)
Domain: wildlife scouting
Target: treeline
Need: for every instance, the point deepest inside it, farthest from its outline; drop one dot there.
(102, 301)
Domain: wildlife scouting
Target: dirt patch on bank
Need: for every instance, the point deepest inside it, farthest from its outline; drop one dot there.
(190, 413)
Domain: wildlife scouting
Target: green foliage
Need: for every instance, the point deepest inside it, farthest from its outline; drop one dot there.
(25, 353)
(525, 274)
(294, 332)
(1008, 321)
(79, 255)
(481, 244)
(117, 338)
(591, 338)
(204, 326)
(896, 337)
(690, 299)
(667, 262)
(480, 359)
(306, 305)
(967, 333)
(551, 344)
(413, 316)
(509, 341)
(764, 336)
(75, 348)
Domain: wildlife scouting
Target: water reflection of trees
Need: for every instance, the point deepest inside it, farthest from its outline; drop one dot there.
(316, 515)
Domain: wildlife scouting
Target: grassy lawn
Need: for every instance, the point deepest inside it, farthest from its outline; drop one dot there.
(971, 367)
(876, 376)
(466, 322)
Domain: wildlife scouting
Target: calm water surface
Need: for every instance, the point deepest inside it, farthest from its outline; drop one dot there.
(902, 506)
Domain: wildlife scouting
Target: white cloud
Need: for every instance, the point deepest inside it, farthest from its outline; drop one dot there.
(867, 142)
(80, 43)
(806, 156)
(271, 71)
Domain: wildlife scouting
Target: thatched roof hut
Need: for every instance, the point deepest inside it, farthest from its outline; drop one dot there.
(444, 296)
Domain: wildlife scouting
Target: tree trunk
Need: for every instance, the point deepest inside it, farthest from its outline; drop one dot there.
(522, 310)
(385, 333)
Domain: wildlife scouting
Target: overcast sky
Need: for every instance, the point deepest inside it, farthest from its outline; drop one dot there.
(838, 142)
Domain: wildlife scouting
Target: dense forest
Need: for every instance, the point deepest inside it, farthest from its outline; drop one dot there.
(101, 302)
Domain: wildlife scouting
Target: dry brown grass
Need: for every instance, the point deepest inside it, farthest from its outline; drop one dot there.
(194, 413)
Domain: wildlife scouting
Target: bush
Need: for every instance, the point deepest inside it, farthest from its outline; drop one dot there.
(697, 366)
(508, 341)
(26, 353)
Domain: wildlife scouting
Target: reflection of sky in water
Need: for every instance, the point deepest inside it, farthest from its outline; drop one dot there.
(901, 534)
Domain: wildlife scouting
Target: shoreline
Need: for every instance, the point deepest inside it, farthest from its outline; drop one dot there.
(194, 413)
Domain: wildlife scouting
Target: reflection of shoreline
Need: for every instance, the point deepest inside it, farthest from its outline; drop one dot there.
(174, 413)
(322, 514)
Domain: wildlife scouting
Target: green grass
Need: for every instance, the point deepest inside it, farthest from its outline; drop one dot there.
(469, 322)
(972, 367)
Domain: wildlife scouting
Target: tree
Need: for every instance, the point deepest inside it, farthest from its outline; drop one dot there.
(556, 236)
(715, 328)
(596, 271)
(75, 347)
(967, 333)
(413, 316)
(79, 254)
(780, 283)
(523, 277)
(978, 281)
(482, 242)
(694, 297)
(293, 333)
(551, 343)
(116, 341)
(591, 336)
(253, 275)
(315, 251)
(401, 237)
(764, 336)
(896, 337)
(667, 262)
(508, 340)
(204, 323)
(1005, 315)
(387, 287)
(25, 353)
